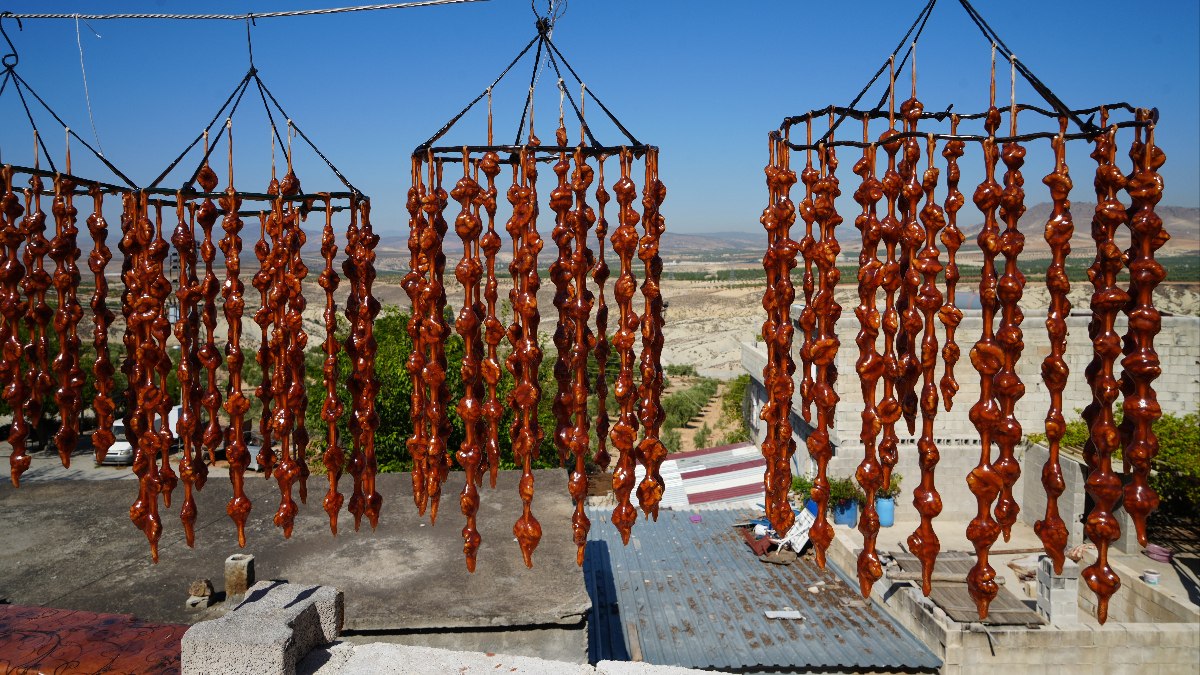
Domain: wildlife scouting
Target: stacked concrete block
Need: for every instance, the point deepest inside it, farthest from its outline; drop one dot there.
(1058, 594)
(275, 627)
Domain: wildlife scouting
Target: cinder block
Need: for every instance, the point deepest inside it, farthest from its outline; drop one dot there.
(269, 632)
(239, 574)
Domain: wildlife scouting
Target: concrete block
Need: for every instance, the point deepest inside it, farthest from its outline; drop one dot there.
(384, 659)
(269, 632)
(239, 574)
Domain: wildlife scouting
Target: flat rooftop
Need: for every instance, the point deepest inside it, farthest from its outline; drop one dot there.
(69, 544)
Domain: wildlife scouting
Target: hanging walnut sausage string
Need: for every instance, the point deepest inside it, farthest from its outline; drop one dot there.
(493, 329)
(416, 285)
(912, 236)
(364, 409)
(236, 403)
(38, 314)
(64, 251)
(952, 237)
(436, 364)
(890, 232)
(102, 318)
(1008, 386)
(138, 235)
(160, 288)
(824, 357)
(334, 457)
(16, 390)
(808, 316)
(560, 276)
(1059, 230)
(356, 463)
(192, 470)
(870, 362)
(624, 433)
(600, 275)
(1104, 486)
(582, 218)
(264, 316)
(1140, 365)
(469, 272)
(210, 356)
(987, 358)
(650, 408)
(525, 360)
(285, 322)
(770, 222)
(924, 541)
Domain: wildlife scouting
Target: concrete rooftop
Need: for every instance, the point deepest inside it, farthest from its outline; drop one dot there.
(70, 544)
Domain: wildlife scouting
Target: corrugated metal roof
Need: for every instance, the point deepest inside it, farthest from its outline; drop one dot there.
(692, 594)
(723, 474)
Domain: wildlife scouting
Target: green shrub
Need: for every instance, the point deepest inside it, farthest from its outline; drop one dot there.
(681, 406)
(681, 370)
(738, 435)
(1176, 476)
(892, 490)
(671, 440)
(702, 437)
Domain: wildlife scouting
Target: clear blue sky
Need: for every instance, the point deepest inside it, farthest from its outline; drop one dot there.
(703, 80)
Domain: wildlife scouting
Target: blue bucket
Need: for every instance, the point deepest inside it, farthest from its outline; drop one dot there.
(811, 506)
(846, 513)
(886, 508)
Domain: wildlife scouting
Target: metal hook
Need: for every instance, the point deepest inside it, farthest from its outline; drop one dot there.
(9, 65)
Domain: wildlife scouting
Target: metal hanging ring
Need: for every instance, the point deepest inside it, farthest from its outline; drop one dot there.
(10, 64)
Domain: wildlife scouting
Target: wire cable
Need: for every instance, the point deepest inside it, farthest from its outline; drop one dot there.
(242, 17)
(87, 94)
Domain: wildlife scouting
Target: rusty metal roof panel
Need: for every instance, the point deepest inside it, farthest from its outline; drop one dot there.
(692, 594)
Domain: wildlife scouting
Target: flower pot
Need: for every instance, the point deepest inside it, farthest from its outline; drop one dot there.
(846, 513)
(886, 508)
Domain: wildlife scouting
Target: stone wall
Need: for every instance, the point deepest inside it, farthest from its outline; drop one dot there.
(1178, 347)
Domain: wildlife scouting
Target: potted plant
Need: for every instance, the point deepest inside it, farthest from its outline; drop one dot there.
(802, 487)
(844, 497)
(885, 501)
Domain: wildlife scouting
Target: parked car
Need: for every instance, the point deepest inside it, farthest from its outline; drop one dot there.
(121, 452)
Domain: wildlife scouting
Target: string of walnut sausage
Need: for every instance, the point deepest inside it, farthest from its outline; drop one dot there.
(952, 237)
(650, 409)
(16, 390)
(1140, 365)
(1059, 229)
(1008, 386)
(924, 542)
(102, 318)
(826, 344)
(1104, 486)
(64, 251)
(525, 359)
(870, 362)
(987, 358)
(334, 457)
(469, 272)
(581, 219)
(193, 471)
(624, 434)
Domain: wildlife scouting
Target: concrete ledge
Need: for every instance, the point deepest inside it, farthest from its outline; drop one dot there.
(269, 632)
(384, 658)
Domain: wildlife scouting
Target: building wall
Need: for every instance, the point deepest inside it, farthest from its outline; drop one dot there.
(1178, 390)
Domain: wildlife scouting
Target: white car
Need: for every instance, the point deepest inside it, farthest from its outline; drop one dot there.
(121, 451)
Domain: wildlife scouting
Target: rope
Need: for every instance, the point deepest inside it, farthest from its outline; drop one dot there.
(595, 98)
(302, 135)
(87, 94)
(1038, 85)
(537, 59)
(454, 120)
(240, 87)
(563, 90)
(921, 19)
(242, 17)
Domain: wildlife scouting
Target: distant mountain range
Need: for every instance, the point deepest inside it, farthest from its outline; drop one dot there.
(1182, 223)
